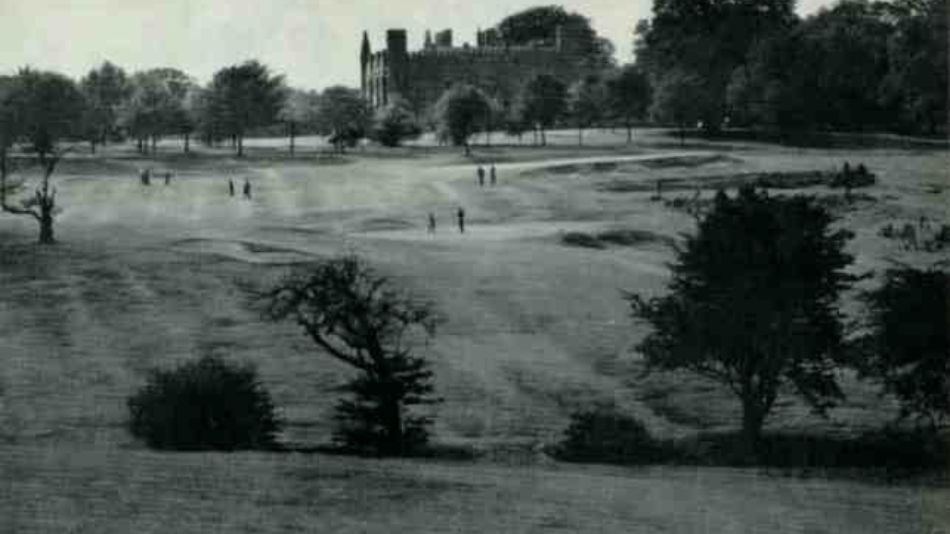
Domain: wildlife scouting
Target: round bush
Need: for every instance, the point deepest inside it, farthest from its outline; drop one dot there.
(208, 404)
(607, 436)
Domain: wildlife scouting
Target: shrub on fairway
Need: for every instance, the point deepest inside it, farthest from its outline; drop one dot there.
(604, 435)
(204, 405)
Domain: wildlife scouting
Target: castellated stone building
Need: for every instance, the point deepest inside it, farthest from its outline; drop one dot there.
(421, 77)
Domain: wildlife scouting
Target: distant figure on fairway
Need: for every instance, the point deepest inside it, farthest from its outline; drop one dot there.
(461, 217)
(146, 176)
(481, 176)
(168, 177)
(247, 189)
(431, 226)
(493, 175)
(231, 186)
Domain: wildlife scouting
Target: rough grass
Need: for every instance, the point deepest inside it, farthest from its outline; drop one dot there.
(528, 324)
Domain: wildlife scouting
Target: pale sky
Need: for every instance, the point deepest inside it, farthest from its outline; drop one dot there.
(314, 43)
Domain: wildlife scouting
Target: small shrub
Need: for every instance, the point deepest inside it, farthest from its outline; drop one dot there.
(603, 435)
(204, 405)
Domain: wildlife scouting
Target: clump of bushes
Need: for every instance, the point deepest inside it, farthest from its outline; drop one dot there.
(208, 404)
(605, 435)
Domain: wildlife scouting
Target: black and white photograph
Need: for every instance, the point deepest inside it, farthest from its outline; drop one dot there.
(446, 266)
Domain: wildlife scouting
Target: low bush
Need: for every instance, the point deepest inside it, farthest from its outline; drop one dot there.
(204, 405)
(604, 435)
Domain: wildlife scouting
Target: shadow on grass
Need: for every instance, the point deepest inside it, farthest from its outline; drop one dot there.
(617, 237)
(886, 456)
(430, 451)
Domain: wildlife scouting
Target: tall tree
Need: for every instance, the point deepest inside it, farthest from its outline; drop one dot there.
(680, 98)
(753, 304)
(344, 115)
(917, 77)
(628, 92)
(105, 89)
(244, 97)
(545, 99)
(708, 39)
(541, 25)
(587, 102)
(824, 73)
(157, 106)
(354, 316)
(462, 110)
(47, 108)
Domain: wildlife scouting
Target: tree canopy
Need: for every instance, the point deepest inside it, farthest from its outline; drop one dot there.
(462, 111)
(243, 97)
(545, 101)
(157, 104)
(105, 89)
(45, 108)
(753, 303)
(539, 25)
(628, 94)
(344, 115)
(395, 123)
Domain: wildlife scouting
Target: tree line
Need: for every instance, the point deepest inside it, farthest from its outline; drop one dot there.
(857, 66)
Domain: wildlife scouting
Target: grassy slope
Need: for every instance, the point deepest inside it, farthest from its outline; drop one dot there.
(534, 329)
